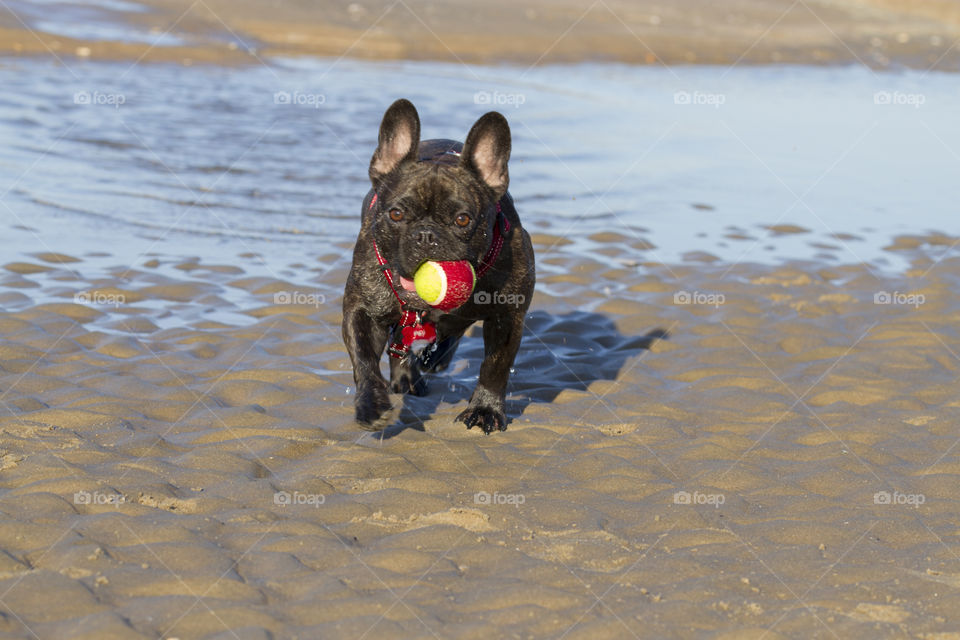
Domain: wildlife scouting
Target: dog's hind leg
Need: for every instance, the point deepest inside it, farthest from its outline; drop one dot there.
(405, 376)
(437, 357)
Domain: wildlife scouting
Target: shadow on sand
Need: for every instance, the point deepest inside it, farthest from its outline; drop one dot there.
(568, 351)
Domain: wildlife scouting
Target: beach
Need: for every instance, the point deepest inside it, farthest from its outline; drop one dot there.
(733, 414)
(672, 469)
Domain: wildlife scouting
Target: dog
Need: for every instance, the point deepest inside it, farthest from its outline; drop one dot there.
(444, 201)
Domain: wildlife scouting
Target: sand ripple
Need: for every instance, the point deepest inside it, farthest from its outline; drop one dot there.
(182, 463)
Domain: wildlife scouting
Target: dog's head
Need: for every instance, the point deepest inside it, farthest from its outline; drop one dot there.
(430, 210)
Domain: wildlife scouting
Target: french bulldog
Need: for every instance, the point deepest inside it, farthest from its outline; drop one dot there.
(436, 200)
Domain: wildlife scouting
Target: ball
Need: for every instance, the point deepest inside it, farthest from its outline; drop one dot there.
(445, 285)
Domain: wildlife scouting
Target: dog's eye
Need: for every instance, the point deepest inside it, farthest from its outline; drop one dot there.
(462, 220)
(396, 215)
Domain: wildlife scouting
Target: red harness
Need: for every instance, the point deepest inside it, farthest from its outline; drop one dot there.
(413, 328)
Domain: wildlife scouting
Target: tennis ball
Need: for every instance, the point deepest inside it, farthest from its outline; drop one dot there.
(445, 285)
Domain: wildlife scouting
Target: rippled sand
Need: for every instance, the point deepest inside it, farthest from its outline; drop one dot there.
(154, 433)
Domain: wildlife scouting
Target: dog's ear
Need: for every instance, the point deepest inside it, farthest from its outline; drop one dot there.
(399, 138)
(487, 151)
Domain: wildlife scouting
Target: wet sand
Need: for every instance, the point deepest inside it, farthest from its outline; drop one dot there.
(878, 33)
(204, 479)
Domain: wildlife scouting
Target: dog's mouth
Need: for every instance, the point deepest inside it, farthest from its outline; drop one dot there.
(407, 284)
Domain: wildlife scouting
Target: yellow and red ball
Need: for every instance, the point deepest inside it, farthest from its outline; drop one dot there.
(445, 285)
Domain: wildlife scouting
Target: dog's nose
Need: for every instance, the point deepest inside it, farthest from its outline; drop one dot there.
(425, 237)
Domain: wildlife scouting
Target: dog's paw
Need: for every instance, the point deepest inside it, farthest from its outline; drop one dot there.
(487, 418)
(407, 383)
(372, 404)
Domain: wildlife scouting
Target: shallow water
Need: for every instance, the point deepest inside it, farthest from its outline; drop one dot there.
(697, 162)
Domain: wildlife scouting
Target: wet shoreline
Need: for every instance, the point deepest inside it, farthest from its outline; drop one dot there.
(700, 443)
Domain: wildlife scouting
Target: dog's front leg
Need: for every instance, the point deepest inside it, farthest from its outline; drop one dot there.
(501, 340)
(365, 340)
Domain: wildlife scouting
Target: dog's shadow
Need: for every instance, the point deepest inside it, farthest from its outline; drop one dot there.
(559, 352)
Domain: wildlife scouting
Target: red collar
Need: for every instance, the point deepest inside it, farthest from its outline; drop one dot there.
(413, 328)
